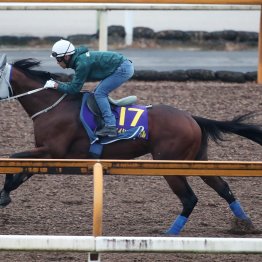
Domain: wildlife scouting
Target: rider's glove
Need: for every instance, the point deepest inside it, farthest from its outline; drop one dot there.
(50, 84)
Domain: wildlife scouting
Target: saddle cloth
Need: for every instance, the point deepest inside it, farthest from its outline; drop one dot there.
(132, 122)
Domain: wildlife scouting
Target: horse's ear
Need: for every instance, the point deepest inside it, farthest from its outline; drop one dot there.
(3, 61)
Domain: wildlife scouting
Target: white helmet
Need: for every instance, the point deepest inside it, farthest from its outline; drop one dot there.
(62, 48)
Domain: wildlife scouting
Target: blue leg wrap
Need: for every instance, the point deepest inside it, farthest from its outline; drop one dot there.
(177, 226)
(238, 210)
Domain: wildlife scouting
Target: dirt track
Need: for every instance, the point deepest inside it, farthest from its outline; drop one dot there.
(135, 206)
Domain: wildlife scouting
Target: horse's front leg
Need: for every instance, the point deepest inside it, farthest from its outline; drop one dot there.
(13, 181)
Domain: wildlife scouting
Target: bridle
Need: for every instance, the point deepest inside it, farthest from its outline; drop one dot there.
(11, 97)
(5, 71)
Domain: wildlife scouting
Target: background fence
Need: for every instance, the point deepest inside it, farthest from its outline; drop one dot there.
(104, 6)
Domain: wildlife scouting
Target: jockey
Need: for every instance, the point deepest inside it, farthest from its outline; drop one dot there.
(112, 69)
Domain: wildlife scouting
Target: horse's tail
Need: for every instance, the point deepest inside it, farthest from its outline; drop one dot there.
(214, 129)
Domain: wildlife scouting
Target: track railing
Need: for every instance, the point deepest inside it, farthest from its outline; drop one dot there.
(209, 2)
(97, 244)
(131, 167)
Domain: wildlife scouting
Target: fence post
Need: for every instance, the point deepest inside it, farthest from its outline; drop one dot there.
(97, 207)
(98, 199)
(102, 16)
(129, 27)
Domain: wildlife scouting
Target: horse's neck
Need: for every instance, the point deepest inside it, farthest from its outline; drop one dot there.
(32, 103)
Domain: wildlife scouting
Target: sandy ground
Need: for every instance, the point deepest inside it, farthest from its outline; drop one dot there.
(136, 206)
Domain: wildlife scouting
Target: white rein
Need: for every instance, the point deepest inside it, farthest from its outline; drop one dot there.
(21, 95)
(30, 93)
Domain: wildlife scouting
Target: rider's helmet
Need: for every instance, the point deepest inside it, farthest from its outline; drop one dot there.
(62, 48)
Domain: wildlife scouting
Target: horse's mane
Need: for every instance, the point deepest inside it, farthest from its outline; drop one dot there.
(26, 65)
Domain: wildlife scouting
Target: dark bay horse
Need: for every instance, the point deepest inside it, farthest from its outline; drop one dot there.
(60, 134)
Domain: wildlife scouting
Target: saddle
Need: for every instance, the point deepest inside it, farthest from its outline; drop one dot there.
(93, 106)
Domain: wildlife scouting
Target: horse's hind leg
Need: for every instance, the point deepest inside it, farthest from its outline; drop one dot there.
(181, 188)
(223, 190)
(243, 221)
(183, 143)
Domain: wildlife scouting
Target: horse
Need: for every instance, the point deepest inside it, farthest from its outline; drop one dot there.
(59, 133)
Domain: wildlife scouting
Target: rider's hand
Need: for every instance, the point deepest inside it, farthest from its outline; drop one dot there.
(50, 84)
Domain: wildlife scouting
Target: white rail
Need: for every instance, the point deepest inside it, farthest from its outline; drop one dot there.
(119, 6)
(130, 244)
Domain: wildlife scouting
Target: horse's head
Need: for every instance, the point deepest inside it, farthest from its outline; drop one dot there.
(19, 77)
(20, 81)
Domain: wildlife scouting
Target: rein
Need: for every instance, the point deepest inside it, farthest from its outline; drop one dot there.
(50, 107)
(30, 93)
(21, 95)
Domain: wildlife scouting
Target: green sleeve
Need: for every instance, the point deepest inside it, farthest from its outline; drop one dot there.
(80, 76)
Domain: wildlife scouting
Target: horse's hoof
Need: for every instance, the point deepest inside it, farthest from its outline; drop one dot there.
(242, 226)
(5, 198)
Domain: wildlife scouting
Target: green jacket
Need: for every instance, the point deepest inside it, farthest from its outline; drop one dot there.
(90, 66)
